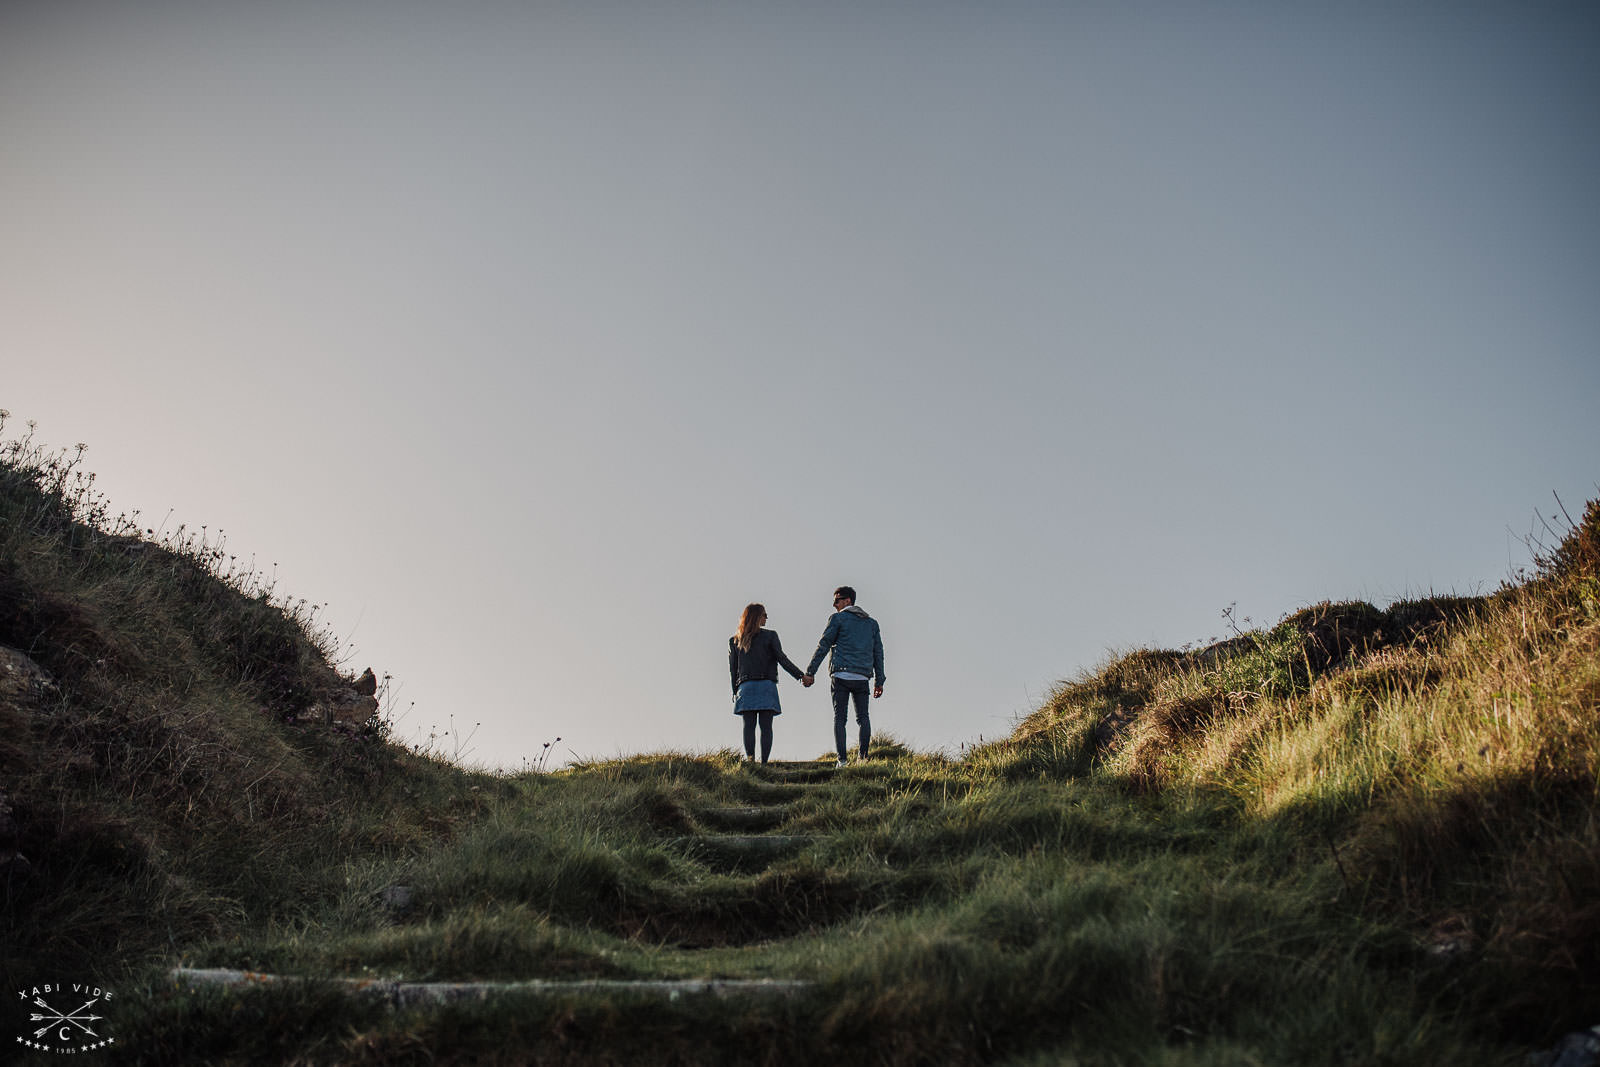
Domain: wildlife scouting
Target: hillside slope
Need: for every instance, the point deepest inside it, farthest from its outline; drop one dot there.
(1445, 750)
(1361, 835)
(165, 768)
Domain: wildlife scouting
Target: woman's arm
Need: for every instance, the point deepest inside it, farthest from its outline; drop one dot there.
(784, 661)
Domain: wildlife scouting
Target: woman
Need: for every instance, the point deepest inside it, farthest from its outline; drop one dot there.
(754, 656)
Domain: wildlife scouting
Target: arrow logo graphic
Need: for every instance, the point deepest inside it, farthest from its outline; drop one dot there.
(55, 1018)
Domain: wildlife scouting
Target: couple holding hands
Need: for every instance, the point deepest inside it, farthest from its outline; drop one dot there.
(755, 654)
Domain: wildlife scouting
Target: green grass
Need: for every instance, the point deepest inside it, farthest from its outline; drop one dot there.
(1360, 835)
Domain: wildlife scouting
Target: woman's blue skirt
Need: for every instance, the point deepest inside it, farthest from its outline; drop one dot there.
(757, 696)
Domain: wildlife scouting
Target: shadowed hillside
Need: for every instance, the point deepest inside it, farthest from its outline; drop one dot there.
(168, 770)
(1362, 835)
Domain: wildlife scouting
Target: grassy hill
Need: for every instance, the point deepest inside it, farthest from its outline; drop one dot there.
(1361, 835)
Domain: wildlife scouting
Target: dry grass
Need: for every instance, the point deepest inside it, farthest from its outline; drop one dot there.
(1446, 749)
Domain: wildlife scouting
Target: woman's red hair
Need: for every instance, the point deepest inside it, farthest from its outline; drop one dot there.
(749, 626)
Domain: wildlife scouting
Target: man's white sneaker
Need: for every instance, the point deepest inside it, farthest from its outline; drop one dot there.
(839, 764)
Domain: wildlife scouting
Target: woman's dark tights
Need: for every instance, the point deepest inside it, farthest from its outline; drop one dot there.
(750, 733)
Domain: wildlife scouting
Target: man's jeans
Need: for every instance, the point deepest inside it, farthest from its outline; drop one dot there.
(844, 690)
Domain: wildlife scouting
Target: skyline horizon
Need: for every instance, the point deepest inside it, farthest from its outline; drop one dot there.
(537, 340)
(1544, 533)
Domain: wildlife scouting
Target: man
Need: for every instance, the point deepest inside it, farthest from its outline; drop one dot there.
(857, 646)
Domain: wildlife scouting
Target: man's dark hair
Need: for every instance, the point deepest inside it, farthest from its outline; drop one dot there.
(846, 591)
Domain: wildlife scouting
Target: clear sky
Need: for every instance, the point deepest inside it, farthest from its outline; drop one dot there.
(536, 339)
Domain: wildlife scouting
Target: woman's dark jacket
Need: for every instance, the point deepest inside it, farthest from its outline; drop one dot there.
(761, 663)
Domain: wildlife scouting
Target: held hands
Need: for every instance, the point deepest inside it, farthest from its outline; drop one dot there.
(810, 680)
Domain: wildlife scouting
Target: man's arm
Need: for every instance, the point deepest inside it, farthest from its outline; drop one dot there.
(830, 637)
(877, 660)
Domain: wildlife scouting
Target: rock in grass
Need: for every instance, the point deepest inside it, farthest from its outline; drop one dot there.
(1581, 1049)
(397, 898)
(403, 994)
(23, 682)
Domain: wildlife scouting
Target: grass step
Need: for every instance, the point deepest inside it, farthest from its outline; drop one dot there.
(770, 794)
(752, 842)
(747, 817)
(404, 994)
(809, 775)
(741, 852)
(794, 772)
